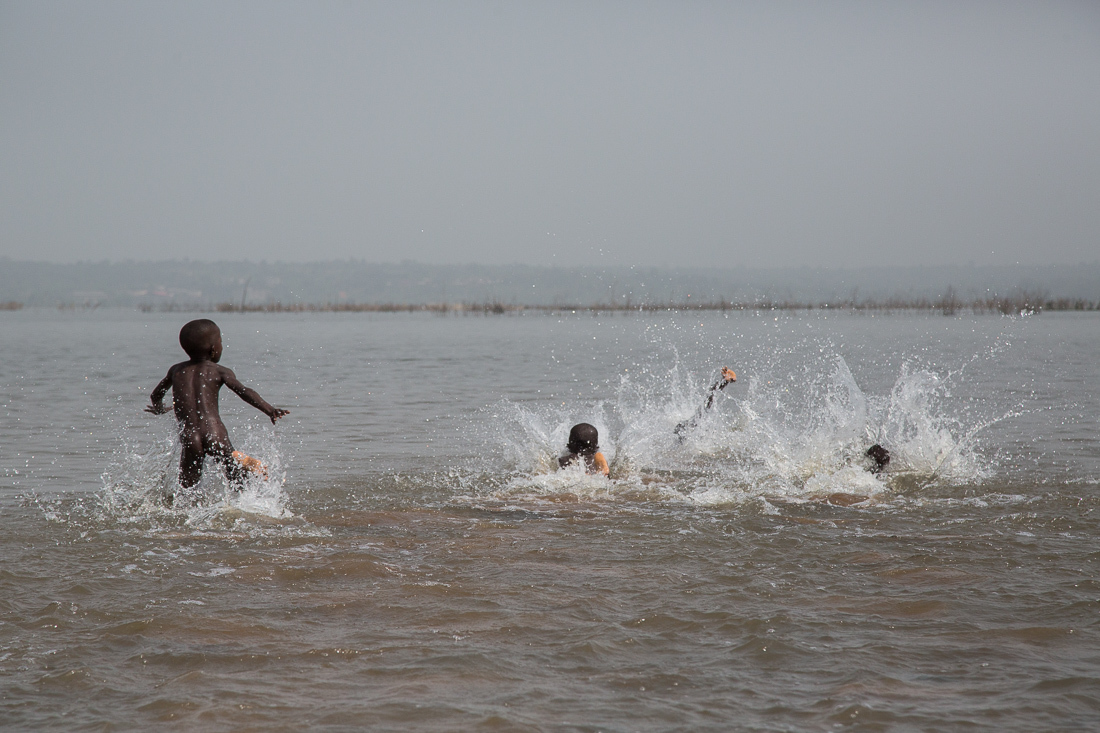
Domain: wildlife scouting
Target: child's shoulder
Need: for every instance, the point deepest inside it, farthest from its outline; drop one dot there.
(187, 367)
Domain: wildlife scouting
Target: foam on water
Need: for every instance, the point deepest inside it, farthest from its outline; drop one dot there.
(795, 436)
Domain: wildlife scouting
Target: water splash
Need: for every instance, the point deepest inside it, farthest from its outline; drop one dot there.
(796, 436)
(141, 485)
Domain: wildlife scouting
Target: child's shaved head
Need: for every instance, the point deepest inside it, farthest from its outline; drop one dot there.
(880, 456)
(197, 337)
(583, 438)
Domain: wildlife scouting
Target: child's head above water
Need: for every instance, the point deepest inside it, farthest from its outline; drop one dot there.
(583, 438)
(584, 447)
(202, 339)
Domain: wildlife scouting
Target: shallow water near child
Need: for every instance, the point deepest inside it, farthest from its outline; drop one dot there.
(414, 561)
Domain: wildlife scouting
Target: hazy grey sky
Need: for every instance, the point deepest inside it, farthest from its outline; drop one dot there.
(679, 133)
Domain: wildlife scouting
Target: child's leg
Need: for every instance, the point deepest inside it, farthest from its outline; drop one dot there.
(234, 472)
(190, 465)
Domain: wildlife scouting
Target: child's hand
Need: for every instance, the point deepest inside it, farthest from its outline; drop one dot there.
(728, 375)
(157, 408)
(277, 413)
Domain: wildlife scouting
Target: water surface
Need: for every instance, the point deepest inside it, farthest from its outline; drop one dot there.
(415, 563)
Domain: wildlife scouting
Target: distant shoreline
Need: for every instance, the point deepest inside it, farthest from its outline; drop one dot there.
(1021, 303)
(369, 287)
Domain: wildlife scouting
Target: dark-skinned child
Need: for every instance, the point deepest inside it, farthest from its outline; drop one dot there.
(195, 384)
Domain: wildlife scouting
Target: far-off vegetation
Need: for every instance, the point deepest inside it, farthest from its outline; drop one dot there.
(361, 286)
(949, 304)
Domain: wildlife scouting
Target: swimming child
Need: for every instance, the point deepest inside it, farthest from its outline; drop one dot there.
(195, 385)
(880, 458)
(584, 442)
(724, 380)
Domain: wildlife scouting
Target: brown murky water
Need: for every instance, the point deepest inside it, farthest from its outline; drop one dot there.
(415, 564)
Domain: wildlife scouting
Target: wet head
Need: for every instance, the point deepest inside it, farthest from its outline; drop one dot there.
(583, 439)
(202, 339)
(880, 458)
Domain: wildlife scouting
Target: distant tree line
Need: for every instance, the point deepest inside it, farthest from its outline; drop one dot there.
(949, 304)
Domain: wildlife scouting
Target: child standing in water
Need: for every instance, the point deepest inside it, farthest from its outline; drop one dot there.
(584, 443)
(195, 385)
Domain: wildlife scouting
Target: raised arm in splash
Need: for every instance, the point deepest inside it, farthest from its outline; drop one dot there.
(727, 378)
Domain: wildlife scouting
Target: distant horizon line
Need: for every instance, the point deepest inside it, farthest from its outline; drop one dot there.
(586, 267)
(948, 304)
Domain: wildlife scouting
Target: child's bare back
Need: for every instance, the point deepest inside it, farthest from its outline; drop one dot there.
(195, 385)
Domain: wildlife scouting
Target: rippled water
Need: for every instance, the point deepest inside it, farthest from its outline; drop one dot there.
(415, 563)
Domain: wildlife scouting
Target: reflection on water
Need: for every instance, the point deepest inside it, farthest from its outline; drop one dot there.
(414, 561)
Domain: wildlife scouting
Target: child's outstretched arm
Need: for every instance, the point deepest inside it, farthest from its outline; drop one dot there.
(156, 399)
(727, 377)
(251, 396)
